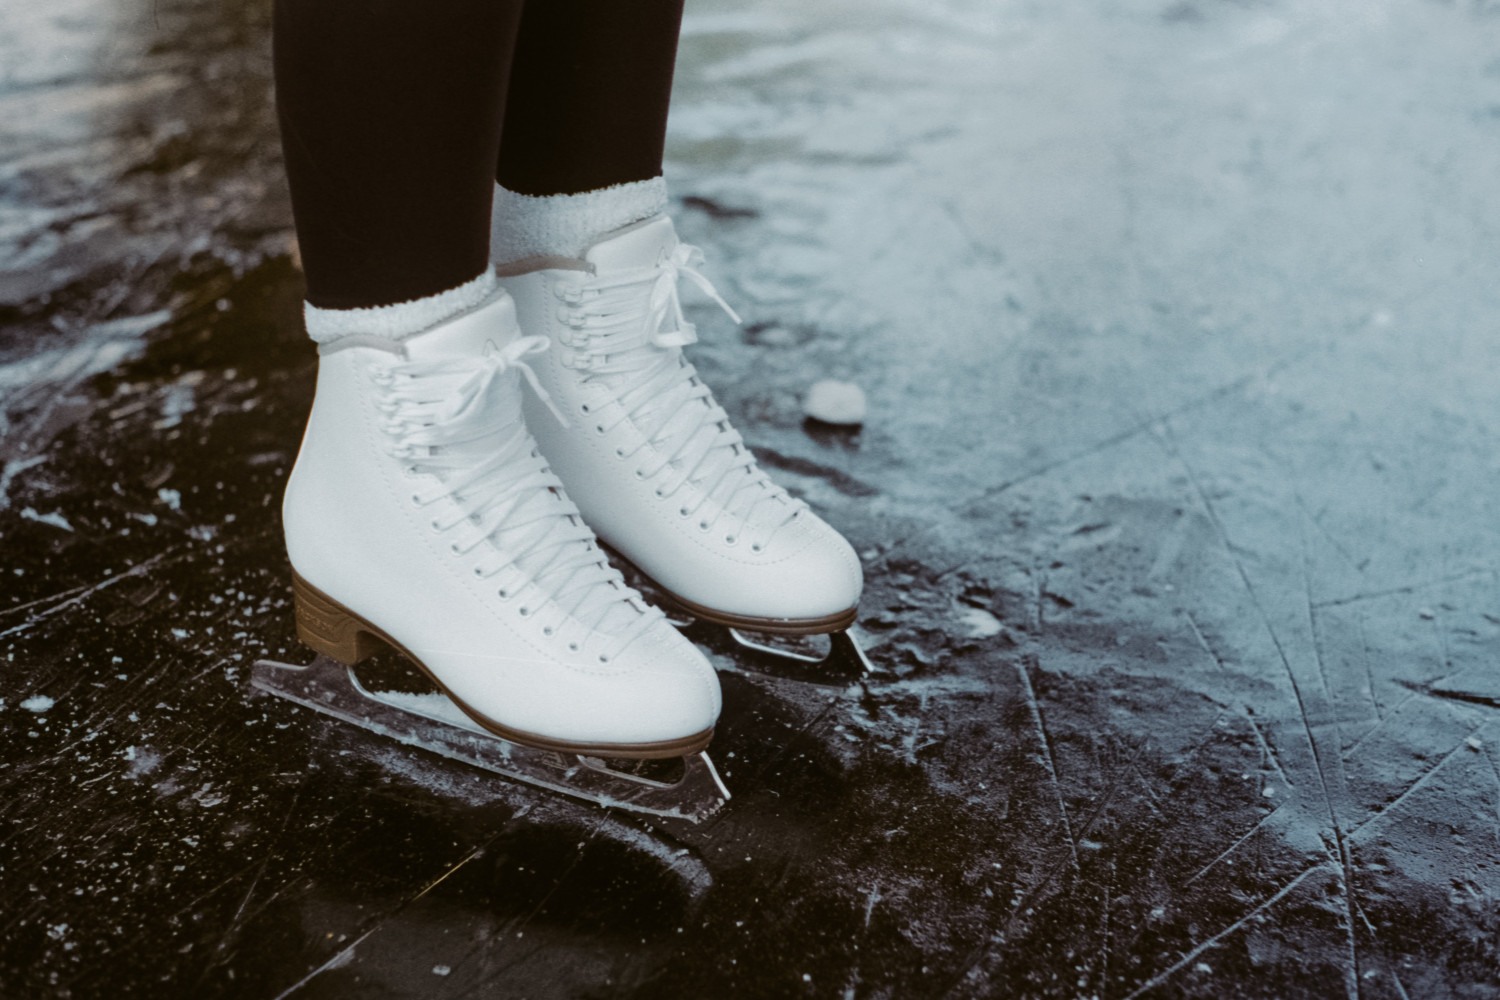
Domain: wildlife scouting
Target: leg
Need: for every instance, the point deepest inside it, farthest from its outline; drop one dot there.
(583, 247)
(585, 124)
(390, 118)
(588, 95)
(418, 515)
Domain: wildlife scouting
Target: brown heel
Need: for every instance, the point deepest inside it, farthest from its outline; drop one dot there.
(328, 628)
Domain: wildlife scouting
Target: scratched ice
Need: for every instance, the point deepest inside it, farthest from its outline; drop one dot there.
(1175, 499)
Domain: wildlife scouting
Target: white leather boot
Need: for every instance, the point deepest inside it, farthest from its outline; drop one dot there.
(420, 515)
(650, 457)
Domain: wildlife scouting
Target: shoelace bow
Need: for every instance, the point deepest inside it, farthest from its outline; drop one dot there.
(442, 418)
(617, 332)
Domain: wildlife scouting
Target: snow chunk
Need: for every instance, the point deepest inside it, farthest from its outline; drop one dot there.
(171, 498)
(441, 970)
(835, 402)
(38, 703)
(979, 623)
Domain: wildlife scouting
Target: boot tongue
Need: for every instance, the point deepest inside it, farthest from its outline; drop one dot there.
(642, 244)
(493, 322)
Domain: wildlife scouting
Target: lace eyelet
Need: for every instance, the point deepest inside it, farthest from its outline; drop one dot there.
(436, 526)
(756, 547)
(524, 612)
(729, 539)
(477, 570)
(503, 594)
(639, 474)
(683, 512)
(583, 407)
(454, 549)
(599, 428)
(659, 494)
(547, 631)
(573, 646)
(619, 452)
(702, 525)
(603, 658)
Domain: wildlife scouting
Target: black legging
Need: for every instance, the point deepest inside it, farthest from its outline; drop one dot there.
(397, 117)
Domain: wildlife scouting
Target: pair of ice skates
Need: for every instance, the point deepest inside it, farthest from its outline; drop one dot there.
(445, 504)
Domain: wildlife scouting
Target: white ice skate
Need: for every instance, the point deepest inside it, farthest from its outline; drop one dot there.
(651, 459)
(420, 516)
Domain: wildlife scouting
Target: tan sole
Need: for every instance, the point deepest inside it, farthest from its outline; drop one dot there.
(334, 631)
(776, 626)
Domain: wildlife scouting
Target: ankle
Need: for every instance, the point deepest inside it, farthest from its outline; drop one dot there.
(402, 319)
(565, 225)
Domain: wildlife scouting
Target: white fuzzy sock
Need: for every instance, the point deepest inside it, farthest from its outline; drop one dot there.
(403, 319)
(565, 225)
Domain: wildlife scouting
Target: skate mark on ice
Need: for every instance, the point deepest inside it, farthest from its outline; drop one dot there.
(68, 598)
(1153, 801)
(1267, 752)
(1211, 942)
(1390, 969)
(1489, 756)
(345, 955)
(237, 921)
(1341, 788)
(1035, 711)
(1203, 641)
(1313, 518)
(1464, 697)
(1142, 425)
(1409, 588)
(1414, 691)
(1329, 791)
(1421, 781)
(1260, 825)
(1364, 649)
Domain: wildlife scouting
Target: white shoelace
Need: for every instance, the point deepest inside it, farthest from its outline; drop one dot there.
(627, 327)
(460, 422)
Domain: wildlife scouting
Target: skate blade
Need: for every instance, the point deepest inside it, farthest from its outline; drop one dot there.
(433, 723)
(798, 658)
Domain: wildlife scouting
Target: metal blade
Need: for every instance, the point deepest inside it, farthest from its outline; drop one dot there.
(329, 687)
(843, 664)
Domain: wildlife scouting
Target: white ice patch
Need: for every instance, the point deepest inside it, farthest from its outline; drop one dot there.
(38, 703)
(55, 519)
(979, 623)
(142, 760)
(105, 346)
(177, 403)
(171, 498)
